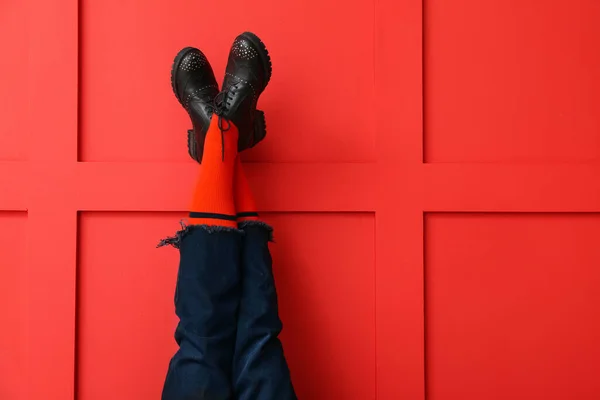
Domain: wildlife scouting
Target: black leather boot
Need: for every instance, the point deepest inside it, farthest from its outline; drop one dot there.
(247, 74)
(195, 87)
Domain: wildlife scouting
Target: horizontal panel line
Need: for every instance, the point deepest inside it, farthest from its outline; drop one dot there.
(185, 212)
(515, 213)
(327, 187)
(514, 188)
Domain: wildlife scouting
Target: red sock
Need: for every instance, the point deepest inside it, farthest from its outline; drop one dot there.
(242, 194)
(212, 202)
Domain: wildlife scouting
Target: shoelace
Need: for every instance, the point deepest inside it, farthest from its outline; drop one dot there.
(219, 107)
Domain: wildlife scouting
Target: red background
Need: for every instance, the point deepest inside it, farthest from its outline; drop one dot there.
(431, 170)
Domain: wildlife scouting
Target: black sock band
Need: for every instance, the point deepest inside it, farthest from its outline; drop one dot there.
(195, 214)
(247, 214)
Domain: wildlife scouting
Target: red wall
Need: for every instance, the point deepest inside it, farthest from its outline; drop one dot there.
(431, 170)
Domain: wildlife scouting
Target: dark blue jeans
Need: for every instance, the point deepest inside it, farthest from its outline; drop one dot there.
(228, 331)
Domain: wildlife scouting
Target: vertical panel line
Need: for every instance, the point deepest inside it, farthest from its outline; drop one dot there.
(423, 82)
(79, 73)
(76, 350)
(425, 313)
